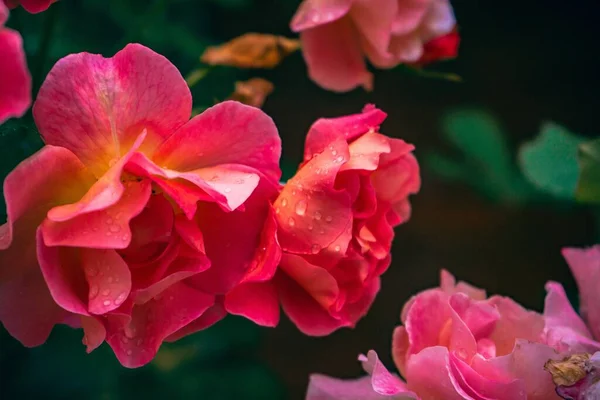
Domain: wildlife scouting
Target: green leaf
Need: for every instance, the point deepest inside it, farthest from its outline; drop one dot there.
(588, 186)
(550, 161)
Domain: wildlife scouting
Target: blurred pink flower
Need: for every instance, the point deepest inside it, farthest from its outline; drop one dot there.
(133, 219)
(32, 6)
(456, 344)
(337, 35)
(15, 81)
(334, 224)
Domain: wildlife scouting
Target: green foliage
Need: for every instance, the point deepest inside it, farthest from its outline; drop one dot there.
(550, 161)
(485, 161)
(588, 186)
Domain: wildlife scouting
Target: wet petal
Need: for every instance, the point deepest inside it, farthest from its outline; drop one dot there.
(313, 13)
(15, 80)
(256, 301)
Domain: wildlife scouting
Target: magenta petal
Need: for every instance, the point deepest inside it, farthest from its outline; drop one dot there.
(585, 266)
(94, 333)
(228, 133)
(15, 81)
(108, 277)
(374, 20)
(104, 229)
(334, 58)
(138, 341)
(210, 317)
(427, 374)
(34, 6)
(256, 301)
(96, 107)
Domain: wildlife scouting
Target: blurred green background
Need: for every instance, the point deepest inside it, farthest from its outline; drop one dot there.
(488, 212)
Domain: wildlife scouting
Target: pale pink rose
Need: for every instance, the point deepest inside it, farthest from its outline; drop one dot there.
(133, 220)
(337, 35)
(334, 223)
(15, 81)
(455, 344)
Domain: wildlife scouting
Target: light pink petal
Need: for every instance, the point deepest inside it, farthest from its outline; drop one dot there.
(256, 301)
(564, 329)
(448, 284)
(585, 266)
(428, 321)
(136, 343)
(210, 317)
(407, 49)
(94, 333)
(525, 362)
(63, 272)
(334, 58)
(310, 212)
(104, 229)
(326, 131)
(313, 13)
(479, 317)
(438, 21)
(374, 20)
(305, 312)
(231, 239)
(108, 278)
(27, 310)
(482, 388)
(428, 375)
(228, 133)
(15, 80)
(515, 323)
(366, 150)
(322, 387)
(96, 107)
(410, 15)
(382, 381)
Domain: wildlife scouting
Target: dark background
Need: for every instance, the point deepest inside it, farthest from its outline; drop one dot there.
(524, 62)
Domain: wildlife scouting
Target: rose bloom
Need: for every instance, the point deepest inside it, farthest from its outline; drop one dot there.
(133, 220)
(337, 35)
(15, 81)
(334, 224)
(457, 344)
(32, 6)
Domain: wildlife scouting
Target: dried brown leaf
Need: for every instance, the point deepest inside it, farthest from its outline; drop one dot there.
(251, 50)
(568, 371)
(252, 92)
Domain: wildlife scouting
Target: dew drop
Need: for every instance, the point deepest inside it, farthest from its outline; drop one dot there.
(109, 221)
(92, 271)
(227, 190)
(322, 231)
(118, 215)
(277, 210)
(171, 298)
(329, 218)
(115, 228)
(293, 192)
(110, 279)
(108, 233)
(291, 222)
(120, 299)
(337, 249)
(124, 339)
(106, 303)
(461, 353)
(339, 159)
(125, 237)
(310, 227)
(284, 203)
(318, 215)
(129, 332)
(301, 207)
(105, 292)
(95, 229)
(93, 291)
(315, 248)
(129, 352)
(334, 153)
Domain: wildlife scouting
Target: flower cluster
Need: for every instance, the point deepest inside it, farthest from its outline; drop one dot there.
(141, 225)
(455, 343)
(337, 35)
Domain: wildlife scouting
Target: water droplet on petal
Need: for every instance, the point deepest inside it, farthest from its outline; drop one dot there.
(105, 292)
(310, 227)
(322, 231)
(334, 152)
(284, 203)
(124, 339)
(339, 159)
(115, 228)
(129, 352)
(125, 237)
(318, 215)
(337, 249)
(108, 233)
(129, 332)
(301, 207)
(461, 353)
(109, 221)
(120, 298)
(329, 218)
(118, 215)
(110, 279)
(93, 291)
(277, 210)
(227, 190)
(291, 222)
(315, 248)
(92, 271)
(106, 303)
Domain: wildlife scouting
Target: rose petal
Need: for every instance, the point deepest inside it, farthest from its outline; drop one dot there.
(137, 343)
(256, 301)
(210, 317)
(104, 229)
(366, 150)
(310, 212)
(448, 285)
(15, 80)
(94, 333)
(313, 13)
(334, 58)
(322, 387)
(374, 20)
(409, 16)
(585, 266)
(33, 6)
(96, 107)
(427, 374)
(382, 381)
(108, 277)
(228, 133)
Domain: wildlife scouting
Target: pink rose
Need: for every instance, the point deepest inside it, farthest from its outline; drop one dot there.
(337, 35)
(133, 219)
(15, 81)
(334, 224)
(32, 6)
(456, 344)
